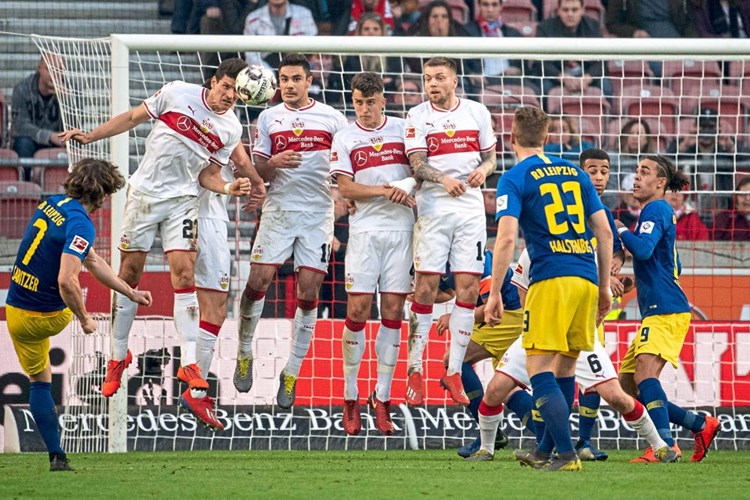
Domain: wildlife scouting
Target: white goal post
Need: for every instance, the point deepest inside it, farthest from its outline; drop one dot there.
(111, 70)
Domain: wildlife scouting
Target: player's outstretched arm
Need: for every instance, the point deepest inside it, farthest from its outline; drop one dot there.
(486, 168)
(507, 229)
(211, 179)
(604, 238)
(117, 125)
(244, 165)
(99, 269)
(424, 172)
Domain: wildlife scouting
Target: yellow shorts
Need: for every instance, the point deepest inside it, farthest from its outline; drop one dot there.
(497, 339)
(30, 332)
(561, 315)
(600, 334)
(661, 335)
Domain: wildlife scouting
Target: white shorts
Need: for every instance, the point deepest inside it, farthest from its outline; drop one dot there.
(456, 238)
(307, 234)
(212, 264)
(381, 258)
(176, 219)
(592, 368)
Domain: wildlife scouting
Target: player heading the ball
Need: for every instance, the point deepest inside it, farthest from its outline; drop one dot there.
(195, 134)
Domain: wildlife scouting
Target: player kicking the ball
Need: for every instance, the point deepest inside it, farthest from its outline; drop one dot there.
(370, 165)
(195, 129)
(291, 151)
(451, 148)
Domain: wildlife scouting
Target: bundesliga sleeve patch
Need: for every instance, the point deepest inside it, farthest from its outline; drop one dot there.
(647, 227)
(79, 245)
(334, 156)
(411, 133)
(502, 202)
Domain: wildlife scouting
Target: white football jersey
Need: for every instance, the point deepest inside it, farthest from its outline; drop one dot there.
(214, 205)
(186, 136)
(374, 157)
(309, 131)
(453, 140)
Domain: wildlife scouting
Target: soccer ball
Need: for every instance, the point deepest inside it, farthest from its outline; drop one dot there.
(255, 84)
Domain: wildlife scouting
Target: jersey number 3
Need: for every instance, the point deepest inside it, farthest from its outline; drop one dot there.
(558, 206)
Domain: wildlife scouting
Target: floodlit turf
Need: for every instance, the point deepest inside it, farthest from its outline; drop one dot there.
(373, 474)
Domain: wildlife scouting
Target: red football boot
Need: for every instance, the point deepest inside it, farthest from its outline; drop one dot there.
(191, 375)
(115, 369)
(452, 384)
(704, 438)
(415, 389)
(382, 411)
(352, 420)
(202, 409)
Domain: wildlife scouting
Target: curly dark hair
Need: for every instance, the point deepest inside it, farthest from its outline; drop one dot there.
(91, 181)
(676, 180)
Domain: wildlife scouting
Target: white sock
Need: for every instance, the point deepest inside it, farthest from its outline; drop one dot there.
(353, 347)
(206, 346)
(250, 312)
(186, 316)
(387, 346)
(304, 326)
(645, 428)
(461, 325)
(488, 426)
(123, 315)
(419, 333)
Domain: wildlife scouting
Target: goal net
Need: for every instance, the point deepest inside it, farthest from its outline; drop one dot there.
(685, 98)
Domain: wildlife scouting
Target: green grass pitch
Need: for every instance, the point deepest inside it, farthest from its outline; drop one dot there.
(371, 474)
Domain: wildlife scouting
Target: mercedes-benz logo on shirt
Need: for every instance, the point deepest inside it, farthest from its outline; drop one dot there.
(360, 158)
(280, 142)
(183, 123)
(433, 143)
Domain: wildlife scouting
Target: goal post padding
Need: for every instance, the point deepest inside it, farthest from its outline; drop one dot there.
(105, 77)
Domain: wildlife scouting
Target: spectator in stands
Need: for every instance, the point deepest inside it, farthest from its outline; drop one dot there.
(405, 15)
(564, 140)
(489, 24)
(725, 18)
(279, 18)
(714, 153)
(369, 24)
(226, 18)
(436, 21)
(186, 16)
(650, 18)
(573, 76)
(689, 225)
(734, 224)
(36, 119)
(408, 94)
(380, 7)
(325, 86)
(628, 209)
(635, 138)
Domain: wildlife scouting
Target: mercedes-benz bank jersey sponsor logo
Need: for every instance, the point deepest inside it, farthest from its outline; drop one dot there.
(360, 158)
(280, 142)
(433, 144)
(184, 123)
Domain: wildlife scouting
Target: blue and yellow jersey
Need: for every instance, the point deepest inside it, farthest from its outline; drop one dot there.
(656, 263)
(552, 198)
(59, 225)
(508, 291)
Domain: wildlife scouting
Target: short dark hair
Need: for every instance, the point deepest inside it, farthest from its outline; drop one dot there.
(676, 180)
(530, 126)
(559, 3)
(92, 180)
(295, 59)
(368, 83)
(230, 67)
(442, 61)
(592, 154)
